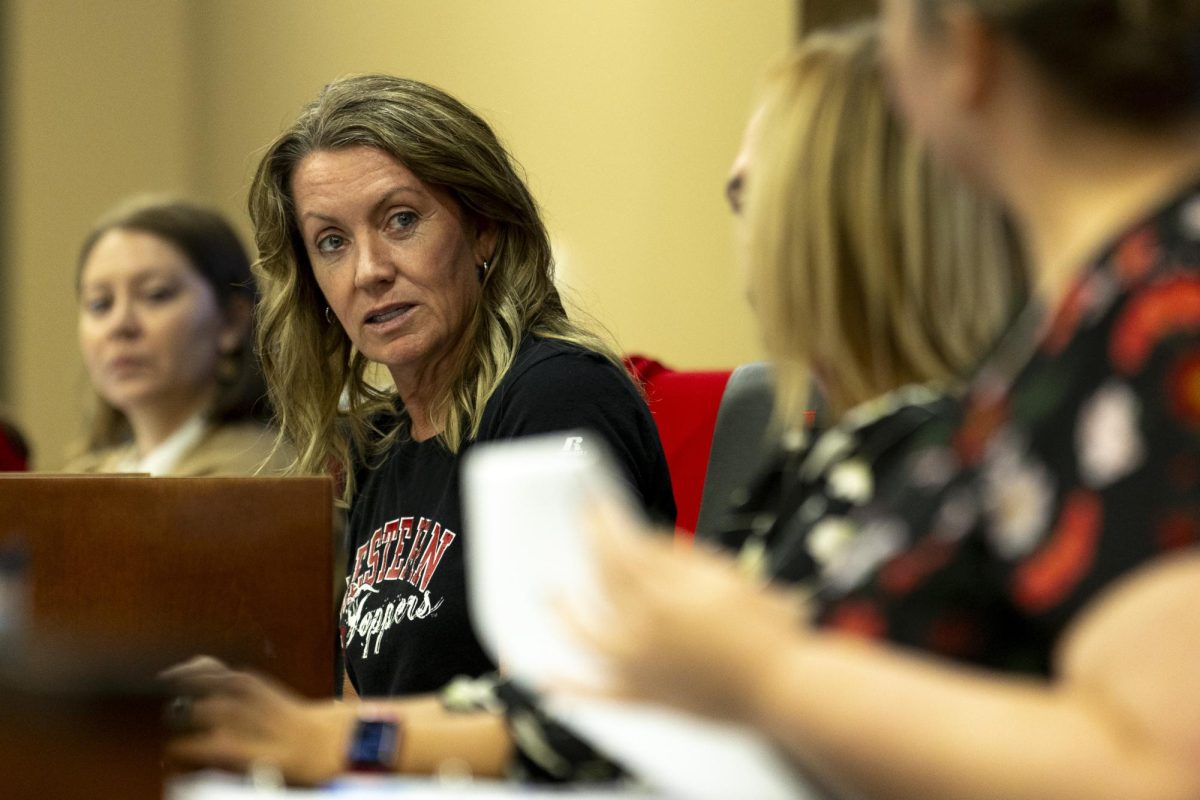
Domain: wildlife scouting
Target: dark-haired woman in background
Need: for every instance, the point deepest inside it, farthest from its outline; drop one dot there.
(166, 307)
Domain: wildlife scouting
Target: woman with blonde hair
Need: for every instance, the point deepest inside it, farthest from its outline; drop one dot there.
(393, 229)
(904, 278)
(900, 272)
(165, 326)
(1025, 570)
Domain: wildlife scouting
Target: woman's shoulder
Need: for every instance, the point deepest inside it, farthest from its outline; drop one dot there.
(544, 364)
(555, 385)
(549, 374)
(539, 352)
(236, 448)
(95, 462)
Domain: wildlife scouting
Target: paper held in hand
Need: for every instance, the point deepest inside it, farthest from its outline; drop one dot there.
(528, 558)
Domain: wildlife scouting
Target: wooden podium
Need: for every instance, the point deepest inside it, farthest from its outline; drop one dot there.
(76, 724)
(166, 568)
(106, 580)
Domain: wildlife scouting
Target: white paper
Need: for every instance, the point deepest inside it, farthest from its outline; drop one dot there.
(528, 558)
(224, 786)
(526, 552)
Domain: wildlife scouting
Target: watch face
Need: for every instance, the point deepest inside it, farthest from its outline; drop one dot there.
(373, 747)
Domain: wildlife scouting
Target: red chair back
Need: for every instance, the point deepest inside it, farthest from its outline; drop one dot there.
(684, 405)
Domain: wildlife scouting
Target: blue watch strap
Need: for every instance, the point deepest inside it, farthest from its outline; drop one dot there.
(374, 744)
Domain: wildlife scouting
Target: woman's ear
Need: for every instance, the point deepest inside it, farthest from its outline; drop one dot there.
(238, 318)
(486, 234)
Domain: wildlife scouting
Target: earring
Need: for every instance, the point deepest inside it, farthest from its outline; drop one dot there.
(483, 268)
(328, 316)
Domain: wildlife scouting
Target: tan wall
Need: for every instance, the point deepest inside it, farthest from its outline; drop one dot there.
(98, 108)
(625, 114)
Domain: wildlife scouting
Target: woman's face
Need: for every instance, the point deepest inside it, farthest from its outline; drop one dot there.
(735, 194)
(395, 259)
(150, 327)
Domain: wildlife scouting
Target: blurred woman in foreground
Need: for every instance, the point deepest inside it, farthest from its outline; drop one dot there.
(1009, 609)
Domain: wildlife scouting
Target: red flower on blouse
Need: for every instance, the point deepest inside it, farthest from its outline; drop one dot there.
(1169, 307)
(1047, 577)
(1136, 255)
(858, 617)
(955, 635)
(1184, 388)
(1178, 530)
(909, 569)
(1066, 319)
(984, 417)
(1132, 261)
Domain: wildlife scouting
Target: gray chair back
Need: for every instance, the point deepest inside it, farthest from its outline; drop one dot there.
(743, 440)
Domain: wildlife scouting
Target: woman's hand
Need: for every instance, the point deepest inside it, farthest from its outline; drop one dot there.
(1120, 719)
(235, 720)
(687, 626)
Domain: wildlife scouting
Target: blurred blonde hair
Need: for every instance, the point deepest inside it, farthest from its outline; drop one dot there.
(310, 363)
(869, 263)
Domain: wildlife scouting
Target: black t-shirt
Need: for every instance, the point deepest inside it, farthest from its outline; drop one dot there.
(404, 623)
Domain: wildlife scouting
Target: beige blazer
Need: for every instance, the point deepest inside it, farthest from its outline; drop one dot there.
(237, 448)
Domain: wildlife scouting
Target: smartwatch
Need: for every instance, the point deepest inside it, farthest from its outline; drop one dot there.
(375, 743)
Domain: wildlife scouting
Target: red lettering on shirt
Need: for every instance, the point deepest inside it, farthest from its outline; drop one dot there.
(404, 535)
(439, 540)
(385, 547)
(415, 549)
(359, 556)
(373, 557)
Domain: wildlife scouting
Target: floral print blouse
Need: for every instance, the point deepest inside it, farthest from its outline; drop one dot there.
(977, 528)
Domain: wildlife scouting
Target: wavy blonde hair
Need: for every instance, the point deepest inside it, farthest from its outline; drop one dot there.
(310, 363)
(869, 263)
